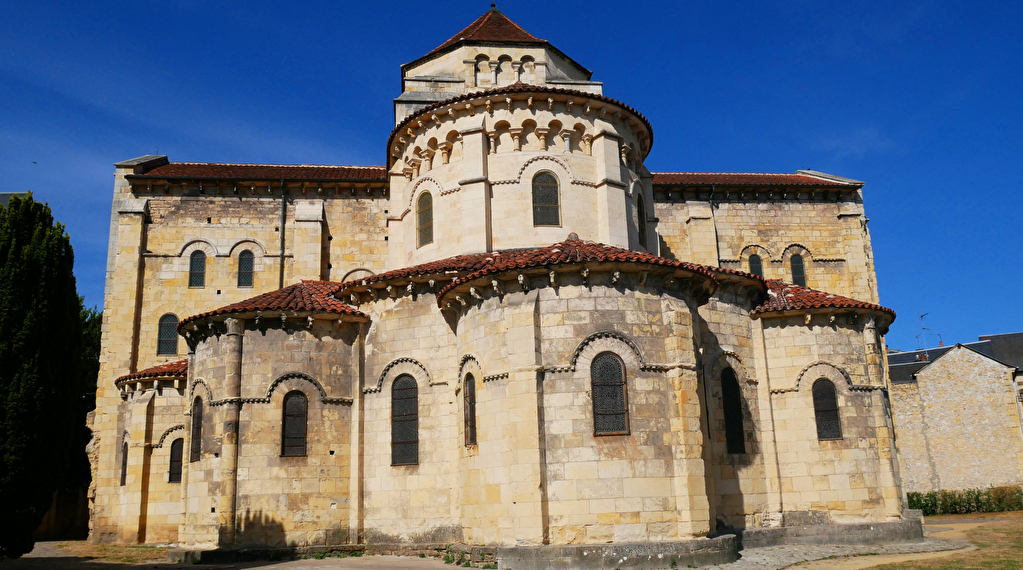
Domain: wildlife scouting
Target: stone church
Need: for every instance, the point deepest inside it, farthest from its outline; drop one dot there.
(510, 335)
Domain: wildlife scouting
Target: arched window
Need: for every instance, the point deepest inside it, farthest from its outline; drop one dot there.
(469, 409)
(610, 395)
(293, 428)
(167, 336)
(546, 207)
(641, 225)
(424, 219)
(825, 409)
(731, 401)
(756, 265)
(798, 275)
(245, 269)
(124, 463)
(197, 269)
(195, 441)
(404, 421)
(177, 450)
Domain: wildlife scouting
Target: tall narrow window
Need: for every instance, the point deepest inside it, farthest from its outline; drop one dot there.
(424, 219)
(546, 209)
(798, 275)
(245, 269)
(293, 429)
(731, 401)
(825, 409)
(176, 452)
(124, 463)
(197, 269)
(756, 265)
(404, 421)
(469, 409)
(195, 441)
(167, 336)
(641, 221)
(610, 396)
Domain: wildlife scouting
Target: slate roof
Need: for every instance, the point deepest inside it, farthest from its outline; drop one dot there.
(176, 369)
(569, 252)
(222, 171)
(517, 87)
(742, 179)
(782, 296)
(312, 296)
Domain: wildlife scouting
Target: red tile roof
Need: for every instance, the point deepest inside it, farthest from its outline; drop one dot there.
(517, 87)
(743, 179)
(491, 27)
(457, 264)
(569, 252)
(176, 369)
(784, 296)
(195, 170)
(312, 296)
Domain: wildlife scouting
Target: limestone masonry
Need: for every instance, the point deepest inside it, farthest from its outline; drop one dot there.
(512, 334)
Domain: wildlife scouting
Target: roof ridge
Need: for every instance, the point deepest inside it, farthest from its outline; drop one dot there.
(278, 165)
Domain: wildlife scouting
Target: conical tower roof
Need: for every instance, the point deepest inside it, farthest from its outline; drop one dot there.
(492, 28)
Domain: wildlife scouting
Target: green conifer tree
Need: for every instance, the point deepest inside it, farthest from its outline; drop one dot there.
(40, 367)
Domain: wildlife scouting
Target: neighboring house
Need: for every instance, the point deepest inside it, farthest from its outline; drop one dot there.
(511, 334)
(5, 197)
(957, 412)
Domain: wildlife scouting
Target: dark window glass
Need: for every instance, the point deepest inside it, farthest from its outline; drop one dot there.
(245, 269)
(546, 210)
(756, 266)
(825, 408)
(197, 269)
(610, 397)
(177, 449)
(798, 275)
(124, 463)
(641, 222)
(731, 401)
(167, 337)
(424, 219)
(404, 421)
(469, 409)
(195, 441)
(293, 431)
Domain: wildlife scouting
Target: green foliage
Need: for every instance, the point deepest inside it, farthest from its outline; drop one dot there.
(990, 500)
(449, 558)
(41, 408)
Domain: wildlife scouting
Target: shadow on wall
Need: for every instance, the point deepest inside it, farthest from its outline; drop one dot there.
(260, 529)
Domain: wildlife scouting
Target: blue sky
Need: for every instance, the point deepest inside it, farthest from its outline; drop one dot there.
(921, 100)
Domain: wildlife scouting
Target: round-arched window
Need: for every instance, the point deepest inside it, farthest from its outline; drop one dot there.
(424, 220)
(546, 203)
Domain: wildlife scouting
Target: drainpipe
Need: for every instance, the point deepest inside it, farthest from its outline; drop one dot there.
(284, 213)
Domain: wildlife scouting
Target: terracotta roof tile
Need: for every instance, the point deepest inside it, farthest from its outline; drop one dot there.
(517, 87)
(194, 170)
(176, 369)
(743, 179)
(456, 264)
(491, 27)
(782, 296)
(569, 252)
(305, 296)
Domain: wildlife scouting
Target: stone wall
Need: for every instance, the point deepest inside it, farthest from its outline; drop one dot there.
(959, 424)
(827, 230)
(852, 478)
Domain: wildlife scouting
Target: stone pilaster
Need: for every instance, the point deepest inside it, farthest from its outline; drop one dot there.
(229, 446)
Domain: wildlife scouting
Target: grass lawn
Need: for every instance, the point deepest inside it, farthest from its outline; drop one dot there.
(999, 547)
(114, 553)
